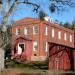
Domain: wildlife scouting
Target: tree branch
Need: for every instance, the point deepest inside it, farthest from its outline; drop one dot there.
(12, 8)
(64, 2)
(16, 2)
(36, 6)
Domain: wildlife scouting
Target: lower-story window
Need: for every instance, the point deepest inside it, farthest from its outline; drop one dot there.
(46, 46)
(35, 46)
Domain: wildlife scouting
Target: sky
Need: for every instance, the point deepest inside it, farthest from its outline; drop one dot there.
(23, 11)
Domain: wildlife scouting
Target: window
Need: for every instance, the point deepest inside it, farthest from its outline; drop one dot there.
(17, 31)
(65, 36)
(46, 30)
(26, 30)
(46, 46)
(70, 38)
(52, 33)
(35, 45)
(59, 35)
(35, 29)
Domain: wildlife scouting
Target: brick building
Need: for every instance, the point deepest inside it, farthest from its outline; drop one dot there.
(36, 40)
(32, 36)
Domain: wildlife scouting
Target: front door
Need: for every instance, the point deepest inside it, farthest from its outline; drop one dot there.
(21, 48)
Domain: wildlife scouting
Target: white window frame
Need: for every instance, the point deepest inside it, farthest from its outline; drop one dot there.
(46, 30)
(70, 38)
(59, 34)
(65, 36)
(35, 43)
(52, 33)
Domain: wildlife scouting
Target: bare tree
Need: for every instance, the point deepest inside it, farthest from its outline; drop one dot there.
(7, 11)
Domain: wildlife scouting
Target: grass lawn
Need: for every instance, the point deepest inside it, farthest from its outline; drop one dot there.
(30, 65)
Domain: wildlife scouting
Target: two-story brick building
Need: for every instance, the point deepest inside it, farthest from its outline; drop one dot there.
(35, 40)
(30, 39)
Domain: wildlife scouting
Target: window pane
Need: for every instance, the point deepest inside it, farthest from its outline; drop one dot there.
(17, 31)
(35, 46)
(70, 38)
(26, 30)
(59, 35)
(65, 37)
(53, 33)
(46, 46)
(35, 29)
(46, 30)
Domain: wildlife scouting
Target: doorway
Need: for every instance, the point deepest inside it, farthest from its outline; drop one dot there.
(21, 48)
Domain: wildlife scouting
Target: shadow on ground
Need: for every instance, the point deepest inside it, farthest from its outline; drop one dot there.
(29, 74)
(68, 74)
(45, 74)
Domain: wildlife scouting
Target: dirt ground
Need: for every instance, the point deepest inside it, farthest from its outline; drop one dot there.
(18, 71)
(14, 71)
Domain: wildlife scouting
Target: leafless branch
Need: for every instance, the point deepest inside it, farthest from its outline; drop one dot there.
(59, 4)
(35, 6)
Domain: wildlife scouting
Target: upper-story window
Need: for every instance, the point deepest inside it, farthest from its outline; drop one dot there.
(65, 36)
(35, 29)
(52, 33)
(17, 31)
(26, 32)
(35, 46)
(70, 38)
(46, 30)
(59, 35)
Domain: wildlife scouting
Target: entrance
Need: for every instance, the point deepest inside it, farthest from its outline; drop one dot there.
(21, 48)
